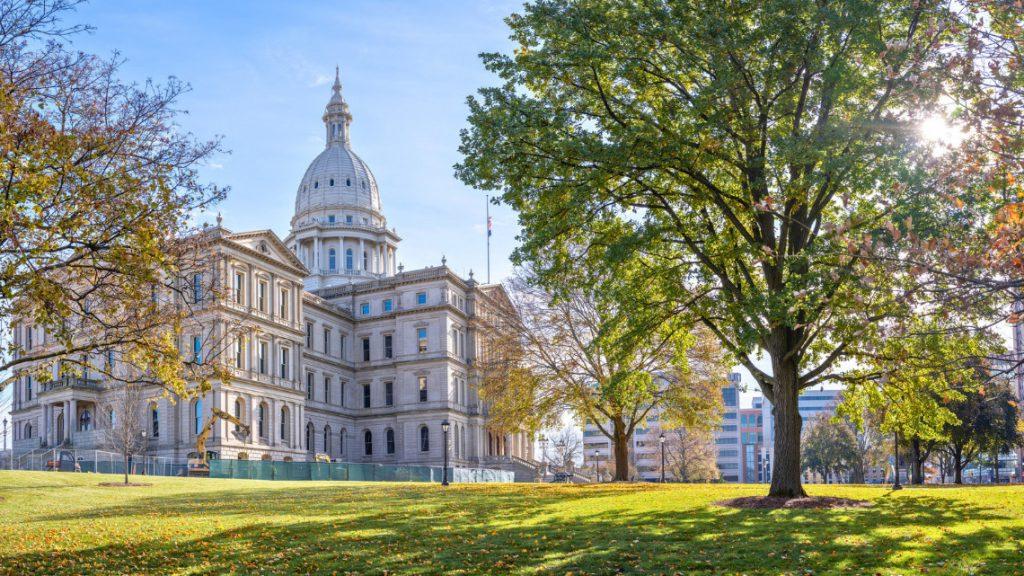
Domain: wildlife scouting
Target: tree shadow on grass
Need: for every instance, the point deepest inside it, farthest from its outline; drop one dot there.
(399, 530)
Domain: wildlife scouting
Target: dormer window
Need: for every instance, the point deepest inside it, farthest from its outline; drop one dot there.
(316, 184)
(332, 181)
(348, 181)
(330, 218)
(348, 219)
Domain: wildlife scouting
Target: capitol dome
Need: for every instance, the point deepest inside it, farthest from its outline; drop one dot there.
(339, 231)
(337, 178)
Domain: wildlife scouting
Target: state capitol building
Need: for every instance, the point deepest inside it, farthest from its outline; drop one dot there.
(348, 354)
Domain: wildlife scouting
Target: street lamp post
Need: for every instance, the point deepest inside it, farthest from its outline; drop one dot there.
(896, 463)
(5, 444)
(544, 455)
(444, 471)
(597, 463)
(661, 439)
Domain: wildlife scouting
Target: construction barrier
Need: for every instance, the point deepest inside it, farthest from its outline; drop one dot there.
(350, 471)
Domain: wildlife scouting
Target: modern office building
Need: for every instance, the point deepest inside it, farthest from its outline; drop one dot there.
(727, 437)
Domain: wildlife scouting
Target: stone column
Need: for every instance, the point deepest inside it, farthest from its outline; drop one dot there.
(272, 431)
(359, 257)
(67, 419)
(74, 416)
(316, 254)
(387, 260)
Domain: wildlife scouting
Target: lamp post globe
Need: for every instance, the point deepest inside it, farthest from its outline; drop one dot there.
(661, 440)
(444, 471)
(597, 463)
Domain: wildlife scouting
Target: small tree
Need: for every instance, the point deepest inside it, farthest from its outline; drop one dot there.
(588, 351)
(690, 455)
(830, 447)
(563, 449)
(123, 422)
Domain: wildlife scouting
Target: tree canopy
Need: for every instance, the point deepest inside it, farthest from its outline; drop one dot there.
(762, 159)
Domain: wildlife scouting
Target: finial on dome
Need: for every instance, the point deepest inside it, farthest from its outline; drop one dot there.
(219, 219)
(337, 79)
(444, 260)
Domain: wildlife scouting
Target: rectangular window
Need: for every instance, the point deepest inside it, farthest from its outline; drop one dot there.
(341, 346)
(262, 357)
(197, 288)
(386, 306)
(309, 385)
(327, 340)
(341, 398)
(284, 305)
(155, 416)
(261, 296)
(421, 339)
(239, 352)
(366, 349)
(421, 298)
(284, 362)
(388, 353)
(423, 388)
(364, 308)
(28, 388)
(28, 337)
(239, 285)
(327, 390)
(197, 349)
(389, 394)
(366, 395)
(309, 335)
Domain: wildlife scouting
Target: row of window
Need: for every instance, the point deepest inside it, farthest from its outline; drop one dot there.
(330, 182)
(367, 394)
(261, 300)
(387, 305)
(262, 356)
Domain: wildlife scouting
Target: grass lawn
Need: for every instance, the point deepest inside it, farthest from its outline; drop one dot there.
(63, 523)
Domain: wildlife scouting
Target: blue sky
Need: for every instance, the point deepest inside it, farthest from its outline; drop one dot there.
(261, 72)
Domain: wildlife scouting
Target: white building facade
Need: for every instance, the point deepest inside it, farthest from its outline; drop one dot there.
(341, 351)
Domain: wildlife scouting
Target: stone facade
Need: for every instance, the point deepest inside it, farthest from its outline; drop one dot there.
(333, 347)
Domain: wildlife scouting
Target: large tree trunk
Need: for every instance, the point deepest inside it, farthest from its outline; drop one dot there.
(916, 475)
(995, 467)
(126, 468)
(620, 444)
(786, 467)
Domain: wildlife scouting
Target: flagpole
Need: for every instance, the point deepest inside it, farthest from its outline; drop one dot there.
(487, 200)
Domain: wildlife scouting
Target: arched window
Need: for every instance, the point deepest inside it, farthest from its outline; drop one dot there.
(316, 184)
(261, 415)
(238, 413)
(310, 437)
(455, 448)
(368, 443)
(348, 259)
(284, 423)
(28, 431)
(389, 437)
(197, 415)
(424, 439)
(154, 419)
(335, 130)
(348, 181)
(327, 440)
(341, 443)
(332, 259)
(85, 421)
